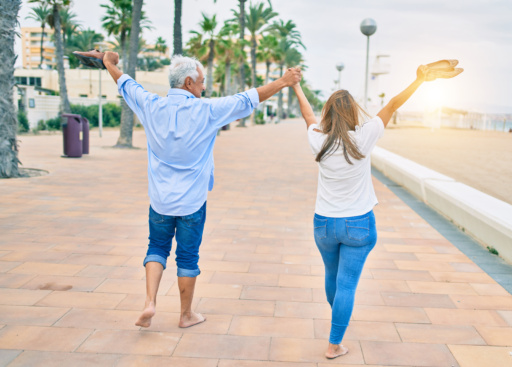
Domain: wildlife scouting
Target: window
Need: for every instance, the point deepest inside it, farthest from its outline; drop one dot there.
(34, 81)
(21, 80)
(83, 96)
(31, 102)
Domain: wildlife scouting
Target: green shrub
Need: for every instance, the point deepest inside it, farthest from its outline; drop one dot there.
(41, 125)
(53, 124)
(23, 125)
(111, 114)
(260, 119)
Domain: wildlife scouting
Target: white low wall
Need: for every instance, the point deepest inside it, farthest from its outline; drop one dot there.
(486, 218)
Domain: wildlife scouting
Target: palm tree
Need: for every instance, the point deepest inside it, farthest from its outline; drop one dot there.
(68, 23)
(227, 52)
(117, 21)
(40, 14)
(161, 45)
(126, 131)
(268, 53)
(56, 5)
(257, 18)
(208, 26)
(8, 121)
(288, 37)
(177, 39)
(84, 40)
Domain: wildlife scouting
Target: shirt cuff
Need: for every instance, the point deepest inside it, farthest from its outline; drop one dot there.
(254, 97)
(122, 80)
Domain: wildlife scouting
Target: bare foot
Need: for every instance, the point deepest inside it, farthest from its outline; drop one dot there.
(335, 351)
(191, 320)
(146, 316)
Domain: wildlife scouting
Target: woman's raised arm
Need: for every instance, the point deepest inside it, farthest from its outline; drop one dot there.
(305, 107)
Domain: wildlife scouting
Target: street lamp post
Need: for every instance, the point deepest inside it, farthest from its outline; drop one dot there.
(339, 66)
(100, 111)
(368, 27)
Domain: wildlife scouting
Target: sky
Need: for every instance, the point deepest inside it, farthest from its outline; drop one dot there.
(412, 32)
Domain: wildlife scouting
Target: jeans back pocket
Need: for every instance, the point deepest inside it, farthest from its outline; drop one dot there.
(358, 229)
(320, 231)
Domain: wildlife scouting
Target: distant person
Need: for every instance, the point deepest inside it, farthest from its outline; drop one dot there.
(181, 129)
(344, 223)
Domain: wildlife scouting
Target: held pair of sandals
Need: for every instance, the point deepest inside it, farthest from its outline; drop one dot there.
(444, 69)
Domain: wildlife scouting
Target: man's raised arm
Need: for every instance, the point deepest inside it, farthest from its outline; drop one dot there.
(290, 78)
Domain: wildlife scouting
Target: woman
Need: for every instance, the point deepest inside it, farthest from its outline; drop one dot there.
(344, 222)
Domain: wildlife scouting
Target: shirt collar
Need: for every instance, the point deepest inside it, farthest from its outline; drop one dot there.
(179, 91)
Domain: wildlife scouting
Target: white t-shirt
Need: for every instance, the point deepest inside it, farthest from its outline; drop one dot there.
(346, 190)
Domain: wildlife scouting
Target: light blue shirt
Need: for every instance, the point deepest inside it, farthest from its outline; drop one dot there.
(181, 131)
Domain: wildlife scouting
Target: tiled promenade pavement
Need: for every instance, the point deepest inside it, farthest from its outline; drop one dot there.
(72, 282)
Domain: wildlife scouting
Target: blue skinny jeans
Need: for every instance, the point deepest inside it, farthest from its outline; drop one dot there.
(344, 244)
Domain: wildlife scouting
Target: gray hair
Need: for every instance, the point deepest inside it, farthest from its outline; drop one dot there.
(182, 67)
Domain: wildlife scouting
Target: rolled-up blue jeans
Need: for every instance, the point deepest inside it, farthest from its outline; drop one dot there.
(188, 230)
(344, 244)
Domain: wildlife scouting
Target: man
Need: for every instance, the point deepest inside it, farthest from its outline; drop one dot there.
(181, 129)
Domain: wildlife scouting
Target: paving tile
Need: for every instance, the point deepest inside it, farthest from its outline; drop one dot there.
(7, 356)
(136, 361)
(130, 342)
(489, 289)
(498, 336)
(42, 338)
(483, 302)
(30, 315)
(135, 302)
(507, 316)
(439, 334)
(14, 280)
(236, 307)
(81, 300)
(245, 279)
(276, 293)
(58, 283)
(424, 265)
(441, 316)
(479, 356)
(90, 259)
(383, 285)
(275, 327)
(210, 290)
(303, 310)
(5, 266)
(57, 359)
(279, 268)
(390, 314)
(223, 346)
(417, 300)
(22, 297)
(407, 354)
(238, 363)
(99, 319)
(401, 274)
(360, 330)
(311, 350)
(301, 281)
(47, 269)
(128, 286)
(37, 256)
(441, 288)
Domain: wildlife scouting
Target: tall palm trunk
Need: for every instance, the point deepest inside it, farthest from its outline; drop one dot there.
(227, 77)
(267, 73)
(124, 52)
(177, 42)
(126, 133)
(59, 52)
(253, 64)
(42, 38)
(290, 96)
(209, 83)
(280, 96)
(242, 63)
(8, 122)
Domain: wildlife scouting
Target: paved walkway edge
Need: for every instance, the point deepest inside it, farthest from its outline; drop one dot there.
(493, 265)
(488, 219)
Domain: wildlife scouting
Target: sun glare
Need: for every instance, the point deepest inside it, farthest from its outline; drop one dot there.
(433, 95)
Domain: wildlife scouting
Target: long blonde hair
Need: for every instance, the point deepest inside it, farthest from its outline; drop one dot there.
(339, 116)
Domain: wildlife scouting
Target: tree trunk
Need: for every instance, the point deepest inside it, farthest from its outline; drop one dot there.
(178, 45)
(42, 38)
(227, 78)
(126, 133)
(280, 97)
(124, 55)
(290, 96)
(209, 82)
(267, 73)
(59, 53)
(242, 64)
(8, 121)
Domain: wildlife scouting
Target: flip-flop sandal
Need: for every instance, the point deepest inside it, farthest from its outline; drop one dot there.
(443, 64)
(443, 73)
(89, 61)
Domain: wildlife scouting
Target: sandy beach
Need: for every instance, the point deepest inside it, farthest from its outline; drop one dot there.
(480, 159)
